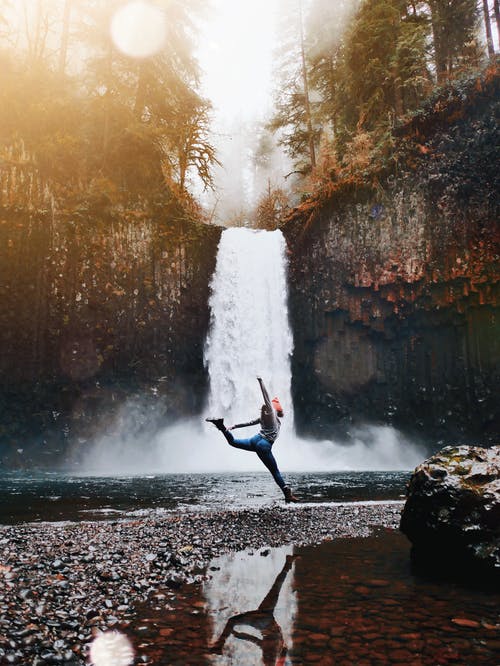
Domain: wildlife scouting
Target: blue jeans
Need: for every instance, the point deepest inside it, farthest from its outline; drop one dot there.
(262, 447)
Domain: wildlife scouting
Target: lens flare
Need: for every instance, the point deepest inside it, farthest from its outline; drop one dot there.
(139, 29)
(111, 648)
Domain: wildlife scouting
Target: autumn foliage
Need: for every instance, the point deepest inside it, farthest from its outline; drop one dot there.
(101, 129)
(374, 67)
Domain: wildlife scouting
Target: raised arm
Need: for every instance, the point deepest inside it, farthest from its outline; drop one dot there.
(265, 394)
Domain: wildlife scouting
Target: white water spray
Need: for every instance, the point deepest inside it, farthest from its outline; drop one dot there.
(249, 336)
(249, 332)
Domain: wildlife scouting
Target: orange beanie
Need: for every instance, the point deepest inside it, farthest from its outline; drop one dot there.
(276, 404)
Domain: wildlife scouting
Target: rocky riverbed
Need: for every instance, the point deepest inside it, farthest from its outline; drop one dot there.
(62, 582)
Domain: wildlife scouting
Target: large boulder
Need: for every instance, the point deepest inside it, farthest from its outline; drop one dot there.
(452, 511)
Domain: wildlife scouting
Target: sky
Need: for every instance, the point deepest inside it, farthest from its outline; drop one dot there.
(236, 54)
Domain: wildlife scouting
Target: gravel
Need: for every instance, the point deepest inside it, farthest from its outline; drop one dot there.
(61, 582)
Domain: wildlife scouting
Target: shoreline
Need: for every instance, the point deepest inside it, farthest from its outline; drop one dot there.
(162, 514)
(64, 581)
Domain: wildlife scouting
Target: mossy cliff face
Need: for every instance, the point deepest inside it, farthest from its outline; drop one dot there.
(394, 294)
(95, 310)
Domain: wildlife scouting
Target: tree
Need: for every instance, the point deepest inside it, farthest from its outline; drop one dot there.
(454, 31)
(293, 119)
(63, 51)
(187, 144)
(271, 208)
(384, 72)
(487, 28)
(160, 93)
(131, 129)
(496, 10)
(326, 27)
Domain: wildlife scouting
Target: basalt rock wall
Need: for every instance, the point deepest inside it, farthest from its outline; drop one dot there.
(101, 315)
(394, 295)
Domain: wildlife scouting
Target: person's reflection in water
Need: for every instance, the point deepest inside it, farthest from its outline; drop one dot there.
(262, 619)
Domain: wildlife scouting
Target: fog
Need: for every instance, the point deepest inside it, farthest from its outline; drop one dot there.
(249, 334)
(196, 447)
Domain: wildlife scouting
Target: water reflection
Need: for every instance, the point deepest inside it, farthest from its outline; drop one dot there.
(344, 602)
(262, 634)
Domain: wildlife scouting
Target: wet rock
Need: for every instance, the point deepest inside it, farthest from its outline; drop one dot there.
(452, 511)
(175, 580)
(464, 622)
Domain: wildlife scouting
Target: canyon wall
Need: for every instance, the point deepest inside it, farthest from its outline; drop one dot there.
(394, 292)
(100, 313)
(394, 299)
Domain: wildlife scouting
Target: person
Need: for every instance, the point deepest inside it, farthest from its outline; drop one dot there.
(272, 644)
(262, 443)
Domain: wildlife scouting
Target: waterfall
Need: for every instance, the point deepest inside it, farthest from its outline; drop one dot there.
(249, 335)
(249, 332)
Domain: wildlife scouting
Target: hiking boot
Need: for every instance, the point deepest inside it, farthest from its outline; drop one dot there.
(289, 496)
(218, 423)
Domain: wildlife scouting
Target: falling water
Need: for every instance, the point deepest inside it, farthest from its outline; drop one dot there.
(249, 333)
(249, 336)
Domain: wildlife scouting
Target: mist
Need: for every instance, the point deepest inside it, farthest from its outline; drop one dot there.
(249, 334)
(252, 38)
(196, 447)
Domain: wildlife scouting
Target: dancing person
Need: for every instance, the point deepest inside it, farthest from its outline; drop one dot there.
(261, 619)
(262, 442)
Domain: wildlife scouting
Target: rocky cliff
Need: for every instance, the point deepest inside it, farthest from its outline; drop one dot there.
(394, 299)
(97, 309)
(394, 288)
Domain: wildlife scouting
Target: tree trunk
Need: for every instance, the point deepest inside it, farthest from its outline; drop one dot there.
(307, 104)
(331, 67)
(38, 28)
(65, 37)
(487, 26)
(496, 9)
(140, 95)
(34, 39)
(440, 59)
(107, 103)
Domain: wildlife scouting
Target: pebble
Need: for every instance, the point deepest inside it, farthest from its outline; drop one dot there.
(464, 622)
(66, 580)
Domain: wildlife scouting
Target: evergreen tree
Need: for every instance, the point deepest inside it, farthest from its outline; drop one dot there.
(66, 21)
(271, 208)
(496, 11)
(123, 127)
(487, 29)
(326, 27)
(454, 32)
(385, 64)
(167, 116)
(294, 116)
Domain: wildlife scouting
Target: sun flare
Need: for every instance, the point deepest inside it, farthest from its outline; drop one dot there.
(138, 29)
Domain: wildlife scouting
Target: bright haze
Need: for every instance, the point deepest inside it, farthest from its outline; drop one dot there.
(236, 53)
